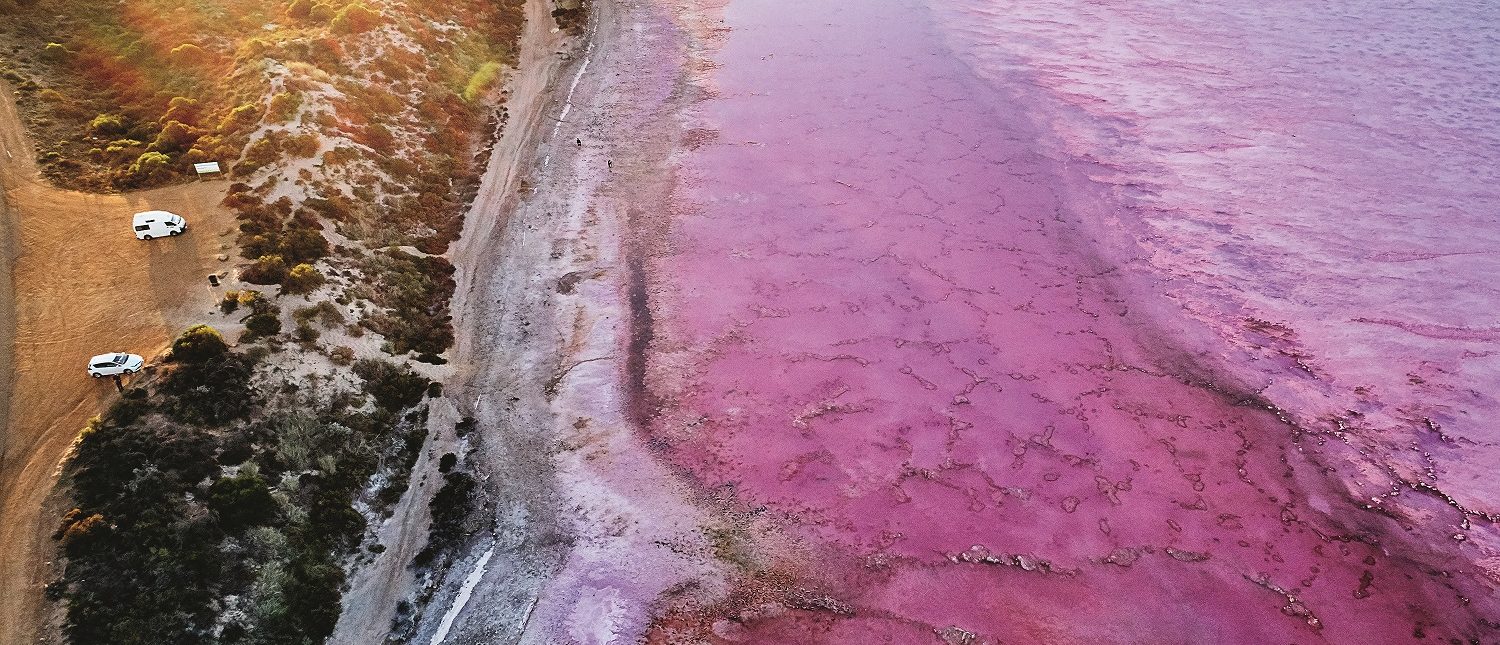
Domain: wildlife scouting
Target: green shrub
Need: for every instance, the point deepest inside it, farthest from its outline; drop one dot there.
(302, 146)
(55, 52)
(303, 278)
(209, 393)
(242, 501)
(80, 532)
(190, 55)
(175, 137)
(300, 244)
(306, 333)
(241, 117)
(108, 125)
(149, 165)
(264, 152)
(149, 569)
(394, 387)
(299, 9)
(341, 355)
(284, 107)
(262, 326)
(449, 508)
(354, 19)
(415, 290)
(184, 110)
(199, 344)
(482, 80)
(326, 313)
(255, 301)
(268, 269)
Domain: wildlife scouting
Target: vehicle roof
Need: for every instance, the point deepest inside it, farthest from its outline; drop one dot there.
(141, 217)
(104, 357)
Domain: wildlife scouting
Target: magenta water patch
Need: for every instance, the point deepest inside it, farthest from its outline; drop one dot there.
(1315, 182)
(915, 315)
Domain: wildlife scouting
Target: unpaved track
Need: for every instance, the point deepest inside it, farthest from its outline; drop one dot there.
(81, 285)
(376, 587)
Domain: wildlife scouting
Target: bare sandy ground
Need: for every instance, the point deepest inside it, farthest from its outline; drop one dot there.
(82, 285)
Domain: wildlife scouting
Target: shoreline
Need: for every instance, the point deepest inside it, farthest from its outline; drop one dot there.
(592, 531)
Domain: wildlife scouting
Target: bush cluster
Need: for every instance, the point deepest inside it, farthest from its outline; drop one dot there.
(414, 291)
(183, 498)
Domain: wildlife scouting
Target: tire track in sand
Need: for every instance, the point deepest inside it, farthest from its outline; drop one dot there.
(76, 283)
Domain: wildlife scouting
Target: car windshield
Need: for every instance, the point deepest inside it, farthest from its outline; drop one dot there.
(120, 359)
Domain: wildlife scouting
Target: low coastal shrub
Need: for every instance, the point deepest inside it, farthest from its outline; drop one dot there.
(451, 506)
(199, 344)
(482, 80)
(393, 387)
(267, 269)
(341, 355)
(414, 291)
(242, 501)
(176, 512)
(210, 392)
(325, 313)
(259, 326)
(303, 278)
(355, 18)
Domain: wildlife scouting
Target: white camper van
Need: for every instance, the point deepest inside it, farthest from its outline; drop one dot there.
(157, 224)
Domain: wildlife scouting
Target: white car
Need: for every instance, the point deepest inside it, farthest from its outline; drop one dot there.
(157, 224)
(115, 364)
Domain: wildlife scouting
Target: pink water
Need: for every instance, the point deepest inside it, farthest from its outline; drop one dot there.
(1101, 321)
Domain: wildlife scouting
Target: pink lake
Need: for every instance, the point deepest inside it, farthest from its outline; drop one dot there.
(1070, 321)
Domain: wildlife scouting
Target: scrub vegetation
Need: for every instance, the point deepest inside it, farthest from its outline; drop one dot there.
(212, 508)
(362, 122)
(222, 498)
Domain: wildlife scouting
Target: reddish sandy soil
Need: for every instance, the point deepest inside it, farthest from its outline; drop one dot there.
(80, 284)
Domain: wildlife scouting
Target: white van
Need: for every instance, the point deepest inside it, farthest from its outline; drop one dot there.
(157, 224)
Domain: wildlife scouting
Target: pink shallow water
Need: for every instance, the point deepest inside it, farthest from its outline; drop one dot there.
(991, 351)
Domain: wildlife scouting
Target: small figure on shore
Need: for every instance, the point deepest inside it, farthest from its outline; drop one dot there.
(580, 142)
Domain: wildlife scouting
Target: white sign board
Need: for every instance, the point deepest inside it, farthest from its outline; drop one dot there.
(206, 168)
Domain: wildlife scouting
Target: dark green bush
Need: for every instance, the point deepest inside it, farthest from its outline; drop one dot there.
(303, 278)
(141, 560)
(268, 269)
(199, 344)
(107, 126)
(241, 501)
(208, 393)
(415, 289)
(262, 326)
(394, 388)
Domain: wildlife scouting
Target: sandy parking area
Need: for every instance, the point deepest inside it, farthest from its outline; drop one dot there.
(79, 284)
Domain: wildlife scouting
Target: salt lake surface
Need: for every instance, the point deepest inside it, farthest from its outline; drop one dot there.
(1094, 321)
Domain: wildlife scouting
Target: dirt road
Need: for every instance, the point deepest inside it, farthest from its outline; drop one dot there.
(376, 587)
(81, 284)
